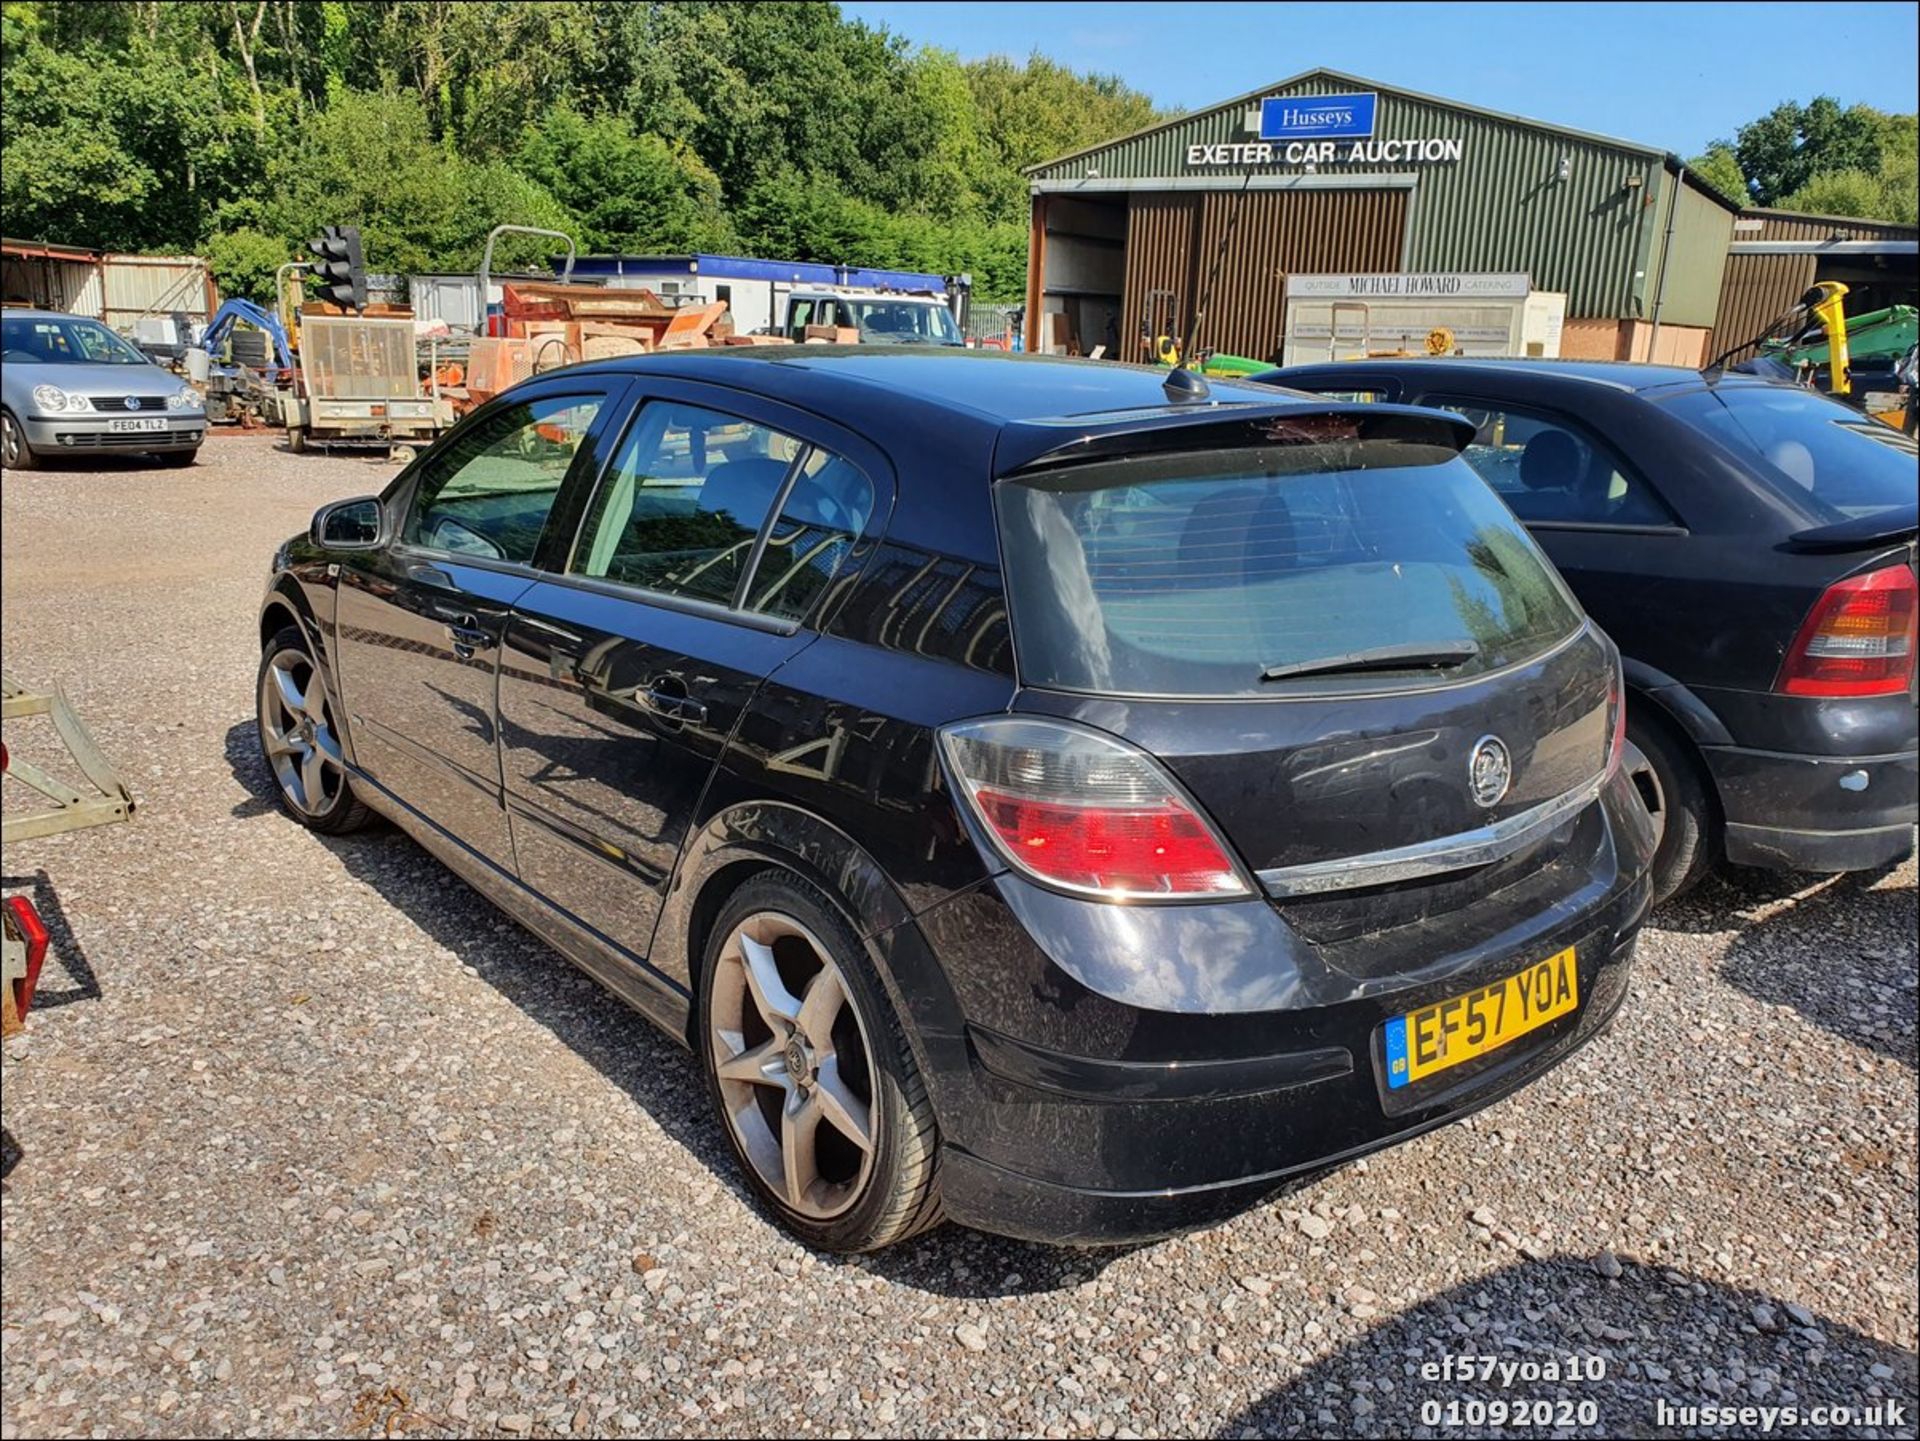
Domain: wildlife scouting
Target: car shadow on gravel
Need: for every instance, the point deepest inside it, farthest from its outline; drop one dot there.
(1838, 949)
(634, 1055)
(1657, 1334)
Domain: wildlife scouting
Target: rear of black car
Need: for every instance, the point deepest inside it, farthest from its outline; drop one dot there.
(1818, 769)
(1307, 821)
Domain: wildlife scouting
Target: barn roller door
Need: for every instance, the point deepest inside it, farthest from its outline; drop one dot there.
(1172, 239)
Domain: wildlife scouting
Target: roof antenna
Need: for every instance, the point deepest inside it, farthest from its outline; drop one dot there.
(1181, 383)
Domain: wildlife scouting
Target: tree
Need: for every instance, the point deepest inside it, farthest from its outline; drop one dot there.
(631, 193)
(369, 160)
(127, 151)
(1819, 157)
(1789, 145)
(1720, 168)
(244, 262)
(237, 127)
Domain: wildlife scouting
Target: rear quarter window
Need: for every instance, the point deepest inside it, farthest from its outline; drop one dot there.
(1833, 460)
(1192, 574)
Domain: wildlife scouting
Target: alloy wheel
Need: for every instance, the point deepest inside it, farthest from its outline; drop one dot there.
(297, 734)
(9, 442)
(1646, 780)
(796, 1077)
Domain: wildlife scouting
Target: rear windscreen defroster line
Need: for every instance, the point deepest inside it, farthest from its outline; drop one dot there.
(1236, 572)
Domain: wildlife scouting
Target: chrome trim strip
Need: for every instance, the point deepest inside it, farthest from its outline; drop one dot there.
(1435, 857)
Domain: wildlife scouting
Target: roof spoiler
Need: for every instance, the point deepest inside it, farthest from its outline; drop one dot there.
(1033, 445)
(1885, 527)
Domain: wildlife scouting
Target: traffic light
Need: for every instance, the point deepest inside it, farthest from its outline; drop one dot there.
(339, 274)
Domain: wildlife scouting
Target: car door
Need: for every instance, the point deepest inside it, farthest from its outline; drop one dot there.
(718, 522)
(418, 623)
(1613, 536)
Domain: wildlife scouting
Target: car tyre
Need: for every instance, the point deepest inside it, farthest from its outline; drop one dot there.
(1676, 795)
(803, 1053)
(299, 742)
(15, 453)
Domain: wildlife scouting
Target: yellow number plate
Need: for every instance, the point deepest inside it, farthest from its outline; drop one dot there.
(1449, 1032)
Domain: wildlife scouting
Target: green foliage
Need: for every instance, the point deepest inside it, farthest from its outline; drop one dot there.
(243, 261)
(1866, 193)
(637, 194)
(370, 160)
(1720, 168)
(1822, 157)
(778, 128)
(126, 156)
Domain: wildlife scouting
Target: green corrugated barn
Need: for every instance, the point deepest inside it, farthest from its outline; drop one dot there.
(1328, 173)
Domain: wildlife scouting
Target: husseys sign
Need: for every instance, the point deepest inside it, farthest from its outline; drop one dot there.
(1323, 130)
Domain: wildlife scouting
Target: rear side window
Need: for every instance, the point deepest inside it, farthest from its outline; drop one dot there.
(1832, 459)
(1192, 574)
(688, 494)
(819, 520)
(1548, 469)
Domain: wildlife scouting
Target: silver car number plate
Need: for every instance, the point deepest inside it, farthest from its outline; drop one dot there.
(144, 423)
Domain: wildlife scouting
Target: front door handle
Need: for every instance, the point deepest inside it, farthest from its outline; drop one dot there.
(669, 700)
(467, 636)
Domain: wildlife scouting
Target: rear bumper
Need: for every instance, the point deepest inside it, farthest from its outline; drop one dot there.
(1070, 1112)
(53, 435)
(1816, 812)
(989, 1197)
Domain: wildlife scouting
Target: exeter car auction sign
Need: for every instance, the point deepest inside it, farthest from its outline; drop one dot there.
(1321, 130)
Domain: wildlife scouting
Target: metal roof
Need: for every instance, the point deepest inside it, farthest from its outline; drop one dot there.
(1345, 78)
(40, 249)
(744, 267)
(1632, 147)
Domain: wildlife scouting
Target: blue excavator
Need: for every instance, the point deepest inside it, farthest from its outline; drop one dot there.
(249, 355)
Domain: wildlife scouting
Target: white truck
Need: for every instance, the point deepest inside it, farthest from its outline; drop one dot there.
(881, 317)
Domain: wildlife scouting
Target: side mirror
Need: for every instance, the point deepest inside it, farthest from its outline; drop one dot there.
(347, 524)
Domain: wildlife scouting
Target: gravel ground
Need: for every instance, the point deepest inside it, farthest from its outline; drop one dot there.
(304, 1138)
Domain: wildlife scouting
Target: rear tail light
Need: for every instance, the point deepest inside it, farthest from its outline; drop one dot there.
(1616, 719)
(1857, 641)
(1085, 812)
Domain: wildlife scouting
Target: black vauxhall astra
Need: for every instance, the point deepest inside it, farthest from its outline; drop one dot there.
(1039, 797)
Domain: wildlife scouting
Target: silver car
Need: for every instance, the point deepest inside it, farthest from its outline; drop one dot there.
(69, 384)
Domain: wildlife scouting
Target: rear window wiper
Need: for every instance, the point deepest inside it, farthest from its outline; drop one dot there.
(1417, 656)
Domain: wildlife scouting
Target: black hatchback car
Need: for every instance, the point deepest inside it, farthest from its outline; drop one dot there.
(1036, 800)
(1750, 547)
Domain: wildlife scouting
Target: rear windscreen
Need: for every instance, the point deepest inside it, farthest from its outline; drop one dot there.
(1836, 461)
(1195, 573)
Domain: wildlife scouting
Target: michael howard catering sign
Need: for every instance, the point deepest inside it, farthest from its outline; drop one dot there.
(1312, 117)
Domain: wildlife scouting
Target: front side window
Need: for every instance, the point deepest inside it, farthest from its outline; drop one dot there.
(1226, 573)
(488, 491)
(29, 340)
(1548, 470)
